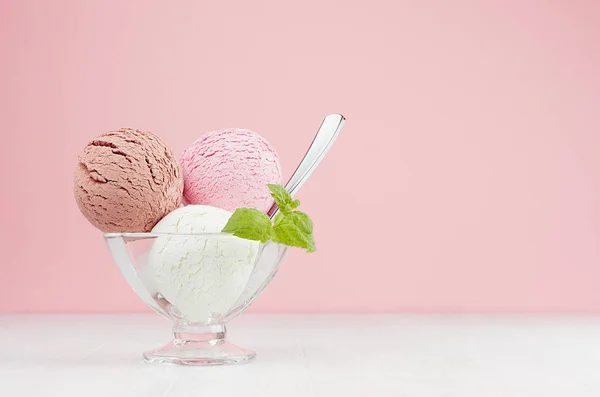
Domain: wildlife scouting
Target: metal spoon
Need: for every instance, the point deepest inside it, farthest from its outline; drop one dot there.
(263, 273)
(329, 130)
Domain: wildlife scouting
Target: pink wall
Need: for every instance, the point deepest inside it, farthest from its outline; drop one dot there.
(467, 177)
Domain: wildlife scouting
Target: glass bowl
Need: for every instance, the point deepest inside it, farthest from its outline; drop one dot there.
(199, 281)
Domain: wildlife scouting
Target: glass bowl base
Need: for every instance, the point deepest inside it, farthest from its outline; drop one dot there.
(199, 353)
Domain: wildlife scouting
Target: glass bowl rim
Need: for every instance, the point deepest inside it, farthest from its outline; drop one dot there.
(161, 234)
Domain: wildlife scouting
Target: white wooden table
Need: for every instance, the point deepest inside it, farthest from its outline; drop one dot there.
(317, 355)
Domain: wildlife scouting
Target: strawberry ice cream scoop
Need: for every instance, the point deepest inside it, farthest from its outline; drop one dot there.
(229, 169)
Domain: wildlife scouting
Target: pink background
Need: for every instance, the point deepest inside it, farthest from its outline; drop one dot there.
(467, 177)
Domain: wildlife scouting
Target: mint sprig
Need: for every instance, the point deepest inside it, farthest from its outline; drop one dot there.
(290, 227)
(250, 224)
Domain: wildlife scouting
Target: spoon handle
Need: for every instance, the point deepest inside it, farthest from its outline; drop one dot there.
(329, 130)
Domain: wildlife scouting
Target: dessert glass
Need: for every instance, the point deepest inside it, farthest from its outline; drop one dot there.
(200, 341)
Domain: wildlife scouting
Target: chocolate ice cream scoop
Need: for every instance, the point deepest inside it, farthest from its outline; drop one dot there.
(126, 181)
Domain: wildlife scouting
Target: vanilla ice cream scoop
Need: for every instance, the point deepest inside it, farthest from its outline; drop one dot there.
(200, 275)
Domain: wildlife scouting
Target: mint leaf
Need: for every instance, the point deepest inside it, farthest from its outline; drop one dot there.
(278, 219)
(295, 204)
(294, 229)
(249, 224)
(283, 199)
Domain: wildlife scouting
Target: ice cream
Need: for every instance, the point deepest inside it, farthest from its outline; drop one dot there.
(202, 276)
(126, 181)
(230, 168)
